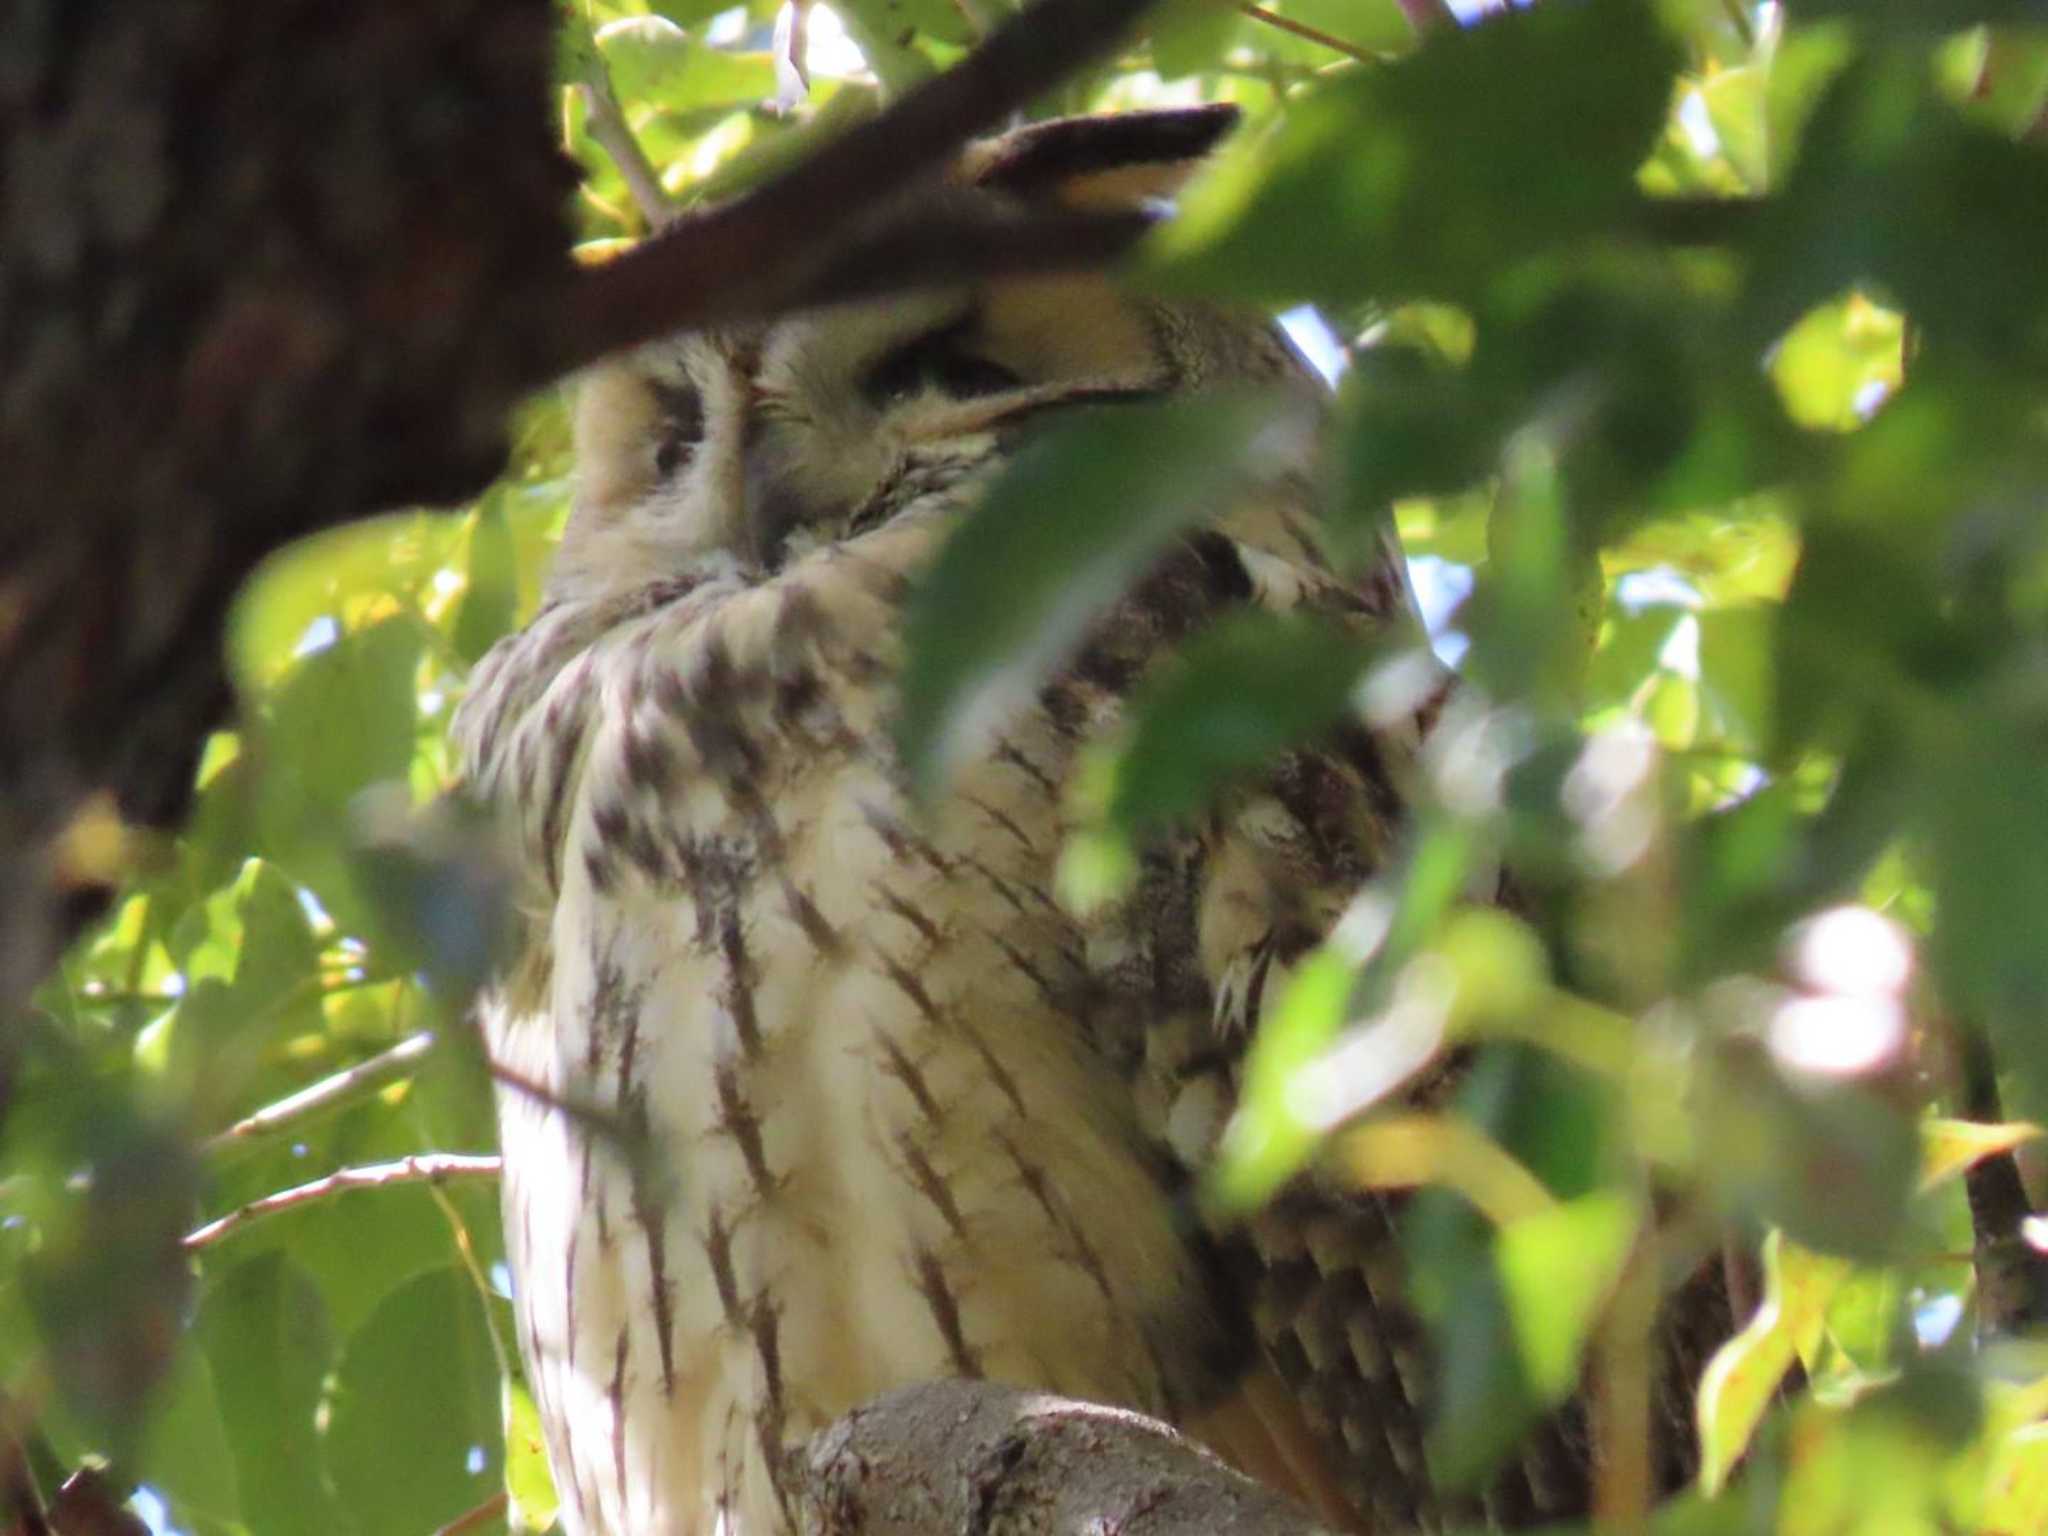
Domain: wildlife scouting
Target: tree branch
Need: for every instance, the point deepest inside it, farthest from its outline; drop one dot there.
(759, 252)
(976, 1456)
(424, 1168)
(615, 136)
(401, 1060)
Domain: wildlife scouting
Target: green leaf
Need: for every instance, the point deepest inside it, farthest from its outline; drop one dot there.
(1557, 1268)
(2016, 1496)
(188, 1457)
(490, 597)
(415, 1435)
(1742, 1379)
(1833, 1163)
(263, 1328)
(1245, 690)
(1430, 176)
(343, 720)
(1988, 824)
(1267, 1140)
(654, 62)
(528, 1482)
(1057, 539)
(277, 956)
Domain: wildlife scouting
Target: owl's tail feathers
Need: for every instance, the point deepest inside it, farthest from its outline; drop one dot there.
(1259, 1429)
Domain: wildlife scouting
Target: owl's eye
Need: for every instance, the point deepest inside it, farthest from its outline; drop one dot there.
(682, 425)
(937, 362)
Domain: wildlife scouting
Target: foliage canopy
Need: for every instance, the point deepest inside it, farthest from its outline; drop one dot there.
(1698, 349)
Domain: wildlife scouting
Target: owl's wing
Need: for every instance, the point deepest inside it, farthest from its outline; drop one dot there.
(1222, 914)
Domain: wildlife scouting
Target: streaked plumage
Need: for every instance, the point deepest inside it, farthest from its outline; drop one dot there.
(906, 1116)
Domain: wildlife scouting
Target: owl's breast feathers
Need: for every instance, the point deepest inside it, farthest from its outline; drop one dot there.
(809, 1095)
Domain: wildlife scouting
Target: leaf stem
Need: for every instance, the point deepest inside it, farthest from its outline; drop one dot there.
(1271, 18)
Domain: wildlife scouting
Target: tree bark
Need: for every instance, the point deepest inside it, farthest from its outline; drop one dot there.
(265, 271)
(974, 1458)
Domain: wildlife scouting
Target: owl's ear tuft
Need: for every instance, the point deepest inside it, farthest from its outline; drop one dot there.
(1105, 162)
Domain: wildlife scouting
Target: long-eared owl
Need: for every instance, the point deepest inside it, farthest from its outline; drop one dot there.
(895, 1113)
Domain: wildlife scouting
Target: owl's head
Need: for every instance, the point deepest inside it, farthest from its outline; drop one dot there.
(758, 443)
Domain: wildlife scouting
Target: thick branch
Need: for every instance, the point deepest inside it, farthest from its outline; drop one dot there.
(764, 244)
(951, 1456)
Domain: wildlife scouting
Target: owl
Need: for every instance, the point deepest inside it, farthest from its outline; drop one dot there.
(808, 1091)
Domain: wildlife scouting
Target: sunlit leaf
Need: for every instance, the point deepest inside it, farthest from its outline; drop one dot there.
(527, 1481)
(1557, 1268)
(1742, 1379)
(2016, 1497)
(1950, 1147)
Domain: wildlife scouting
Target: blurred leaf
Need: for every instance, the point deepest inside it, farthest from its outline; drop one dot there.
(1557, 1268)
(1471, 167)
(263, 1329)
(1484, 1403)
(1951, 1147)
(491, 592)
(1742, 1379)
(1833, 1163)
(1884, 1463)
(1268, 1140)
(1056, 540)
(652, 60)
(1894, 185)
(1191, 35)
(1737, 679)
(2016, 1497)
(187, 1456)
(418, 1374)
(1867, 1320)
(107, 1281)
(1927, 17)
(1988, 824)
(1246, 689)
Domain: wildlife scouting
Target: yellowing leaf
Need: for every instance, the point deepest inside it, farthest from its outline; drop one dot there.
(1948, 1147)
(1743, 1376)
(527, 1479)
(2016, 1492)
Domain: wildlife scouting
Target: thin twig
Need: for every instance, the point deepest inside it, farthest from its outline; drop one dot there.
(614, 135)
(476, 1519)
(424, 1168)
(757, 253)
(342, 1087)
(1738, 13)
(1303, 29)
